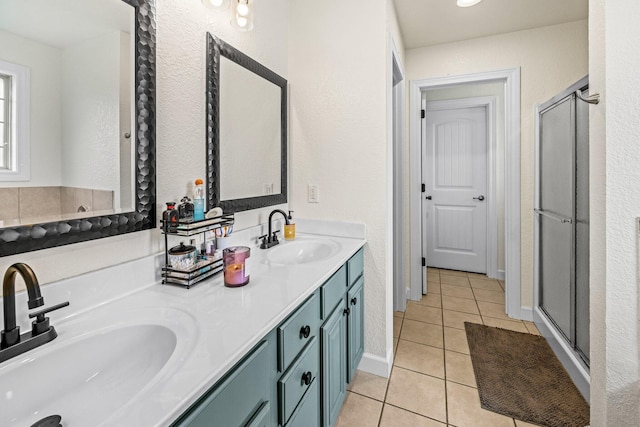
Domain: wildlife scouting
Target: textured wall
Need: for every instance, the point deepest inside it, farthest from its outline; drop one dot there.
(337, 69)
(615, 206)
(550, 59)
(44, 62)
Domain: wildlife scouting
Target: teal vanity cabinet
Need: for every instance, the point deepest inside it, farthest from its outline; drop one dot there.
(297, 375)
(243, 397)
(342, 334)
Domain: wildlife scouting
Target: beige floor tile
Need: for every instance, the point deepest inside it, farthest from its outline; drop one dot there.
(423, 313)
(369, 385)
(431, 300)
(455, 319)
(433, 270)
(396, 417)
(512, 325)
(478, 276)
(459, 368)
(456, 340)
(460, 304)
(433, 288)
(464, 409)
(448, 279)
(531, 328)
(457, 291)
(395, 345)
(397, 326)
(488, 285)
(491, 309)
(489, 296)
(454, 272)
(359, 411)
(399, 314)
(501, 284)
(420, 358)
(433, 275)
(423, 333)
(417, 393)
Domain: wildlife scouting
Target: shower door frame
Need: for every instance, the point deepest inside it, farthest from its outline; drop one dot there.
(563, 348)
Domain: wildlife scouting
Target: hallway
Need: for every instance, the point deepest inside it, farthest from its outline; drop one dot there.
(432, 382)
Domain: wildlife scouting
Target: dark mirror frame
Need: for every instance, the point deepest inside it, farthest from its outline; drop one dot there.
(216, 48)
(27, 238)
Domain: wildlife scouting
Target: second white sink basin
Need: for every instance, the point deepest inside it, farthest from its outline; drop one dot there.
(87, 378)
(302, 251)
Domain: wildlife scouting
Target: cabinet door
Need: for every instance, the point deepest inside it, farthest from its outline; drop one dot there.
(334, 365)
(355, 301)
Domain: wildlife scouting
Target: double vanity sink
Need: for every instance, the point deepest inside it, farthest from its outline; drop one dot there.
(147, 352)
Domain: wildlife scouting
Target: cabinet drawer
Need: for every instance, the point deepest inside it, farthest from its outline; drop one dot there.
(308, 412)
(332, 291)
(297, 331)
(355, 267)
(261, 418)
(297, 380)
(239, 399)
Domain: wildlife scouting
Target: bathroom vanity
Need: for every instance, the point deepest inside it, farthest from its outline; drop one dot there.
(131, 351)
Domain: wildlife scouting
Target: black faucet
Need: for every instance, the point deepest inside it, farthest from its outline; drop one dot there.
(11, 342)
(271, 238)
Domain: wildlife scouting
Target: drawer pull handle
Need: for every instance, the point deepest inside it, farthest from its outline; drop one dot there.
(354, 301)
(305, 331)
(346, 311)
(307, 377)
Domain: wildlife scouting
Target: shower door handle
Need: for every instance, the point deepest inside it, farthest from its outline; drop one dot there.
(554, 216)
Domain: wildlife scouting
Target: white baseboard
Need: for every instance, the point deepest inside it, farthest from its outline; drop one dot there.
(526, 313)
(501, 275)
(377, 365)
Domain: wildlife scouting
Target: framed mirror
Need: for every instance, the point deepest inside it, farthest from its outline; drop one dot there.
(246, 131)
(116, 141)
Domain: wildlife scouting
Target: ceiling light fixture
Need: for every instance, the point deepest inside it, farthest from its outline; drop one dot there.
(216, 4)
(467, 3)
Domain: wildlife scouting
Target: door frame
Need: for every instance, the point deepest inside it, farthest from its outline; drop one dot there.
(511, 78)
(489, 103)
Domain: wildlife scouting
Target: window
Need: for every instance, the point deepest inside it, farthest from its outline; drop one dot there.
(14, 122)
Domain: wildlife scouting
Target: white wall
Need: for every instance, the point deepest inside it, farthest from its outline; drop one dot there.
(180, 130)
(90, 107)
(338, 73)
(550, 58)
(44, 63)
(614, 209)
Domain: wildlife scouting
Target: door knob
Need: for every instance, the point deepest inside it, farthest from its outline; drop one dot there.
(428, 197)
(480, 197)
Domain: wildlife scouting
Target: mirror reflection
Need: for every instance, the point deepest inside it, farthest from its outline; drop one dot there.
(246, 131)
(249, 133)
(80, 134)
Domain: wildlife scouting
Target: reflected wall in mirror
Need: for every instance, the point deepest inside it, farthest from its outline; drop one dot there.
(91, 136)
(246, 131)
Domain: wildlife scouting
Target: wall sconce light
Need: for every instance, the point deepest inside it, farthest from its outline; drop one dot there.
(242, 15)
(216, 4)
(467, 3)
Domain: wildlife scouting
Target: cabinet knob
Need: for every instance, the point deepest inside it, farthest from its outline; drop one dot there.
(354, 301)
(346, 311)
(307, 377)
(305, 331)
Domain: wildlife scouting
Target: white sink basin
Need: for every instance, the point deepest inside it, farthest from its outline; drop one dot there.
(302, 251)
(89, 377)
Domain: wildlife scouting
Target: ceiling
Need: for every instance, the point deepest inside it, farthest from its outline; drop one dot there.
(429, 22)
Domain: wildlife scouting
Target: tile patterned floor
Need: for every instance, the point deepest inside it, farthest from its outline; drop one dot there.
(432, 382)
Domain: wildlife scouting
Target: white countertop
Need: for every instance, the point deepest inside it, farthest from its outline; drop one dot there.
(219, 325)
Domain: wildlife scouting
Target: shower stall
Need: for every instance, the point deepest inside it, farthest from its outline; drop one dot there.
(561, 235)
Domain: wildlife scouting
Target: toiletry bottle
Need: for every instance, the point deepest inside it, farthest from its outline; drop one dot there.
(290, 229)
(198, 201)
(170, 217)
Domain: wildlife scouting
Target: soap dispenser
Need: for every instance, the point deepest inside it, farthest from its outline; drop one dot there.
(290, 229)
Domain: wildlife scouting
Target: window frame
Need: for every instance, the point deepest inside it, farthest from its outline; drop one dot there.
(19, 113)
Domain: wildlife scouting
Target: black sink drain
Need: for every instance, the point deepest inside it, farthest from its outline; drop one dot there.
(50, 421)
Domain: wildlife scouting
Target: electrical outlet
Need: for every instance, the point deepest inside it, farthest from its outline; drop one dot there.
(312, 194)
(268, 188)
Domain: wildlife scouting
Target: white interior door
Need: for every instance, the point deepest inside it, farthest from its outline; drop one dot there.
(454, 202)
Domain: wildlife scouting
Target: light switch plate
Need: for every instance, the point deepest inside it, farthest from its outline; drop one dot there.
(312, 194)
